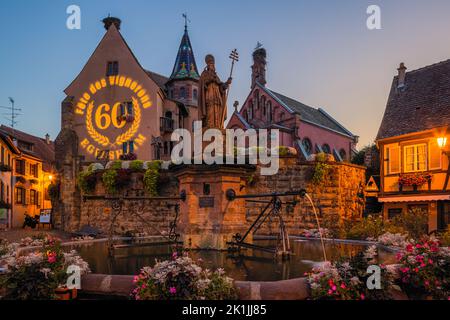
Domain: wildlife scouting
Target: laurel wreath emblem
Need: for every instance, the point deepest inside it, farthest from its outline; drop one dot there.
(134, 126)
(98, 137)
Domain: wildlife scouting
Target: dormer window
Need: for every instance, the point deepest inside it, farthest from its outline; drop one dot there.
(112, 68)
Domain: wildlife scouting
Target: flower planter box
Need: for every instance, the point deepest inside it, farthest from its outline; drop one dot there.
(66, 294)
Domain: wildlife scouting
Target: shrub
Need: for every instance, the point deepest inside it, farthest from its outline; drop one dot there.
(36, 275)
(346, 279)
(151, 178)
(445, 237)
(320, 169)
(425, 270)
(53, 191)
(414, 221)
(136, 165)
(109, 180)
(87, 181)
(370, 227)
(182, 279)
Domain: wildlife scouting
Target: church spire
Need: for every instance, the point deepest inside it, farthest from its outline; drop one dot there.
(185, 67)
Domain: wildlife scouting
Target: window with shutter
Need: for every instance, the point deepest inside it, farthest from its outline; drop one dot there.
(393, 160)
(435, 155)
(415, 158)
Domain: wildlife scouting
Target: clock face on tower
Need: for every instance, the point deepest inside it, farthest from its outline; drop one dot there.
(110, 112)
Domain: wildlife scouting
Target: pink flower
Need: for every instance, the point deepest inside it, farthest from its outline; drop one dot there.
(330, 292)
(343, 286)
(172, 290)
(430, 261)
(135, 279)
(333, 288)
(427, 283)
(363, 296)
(409, 248)
(51, 257)
(174, 255)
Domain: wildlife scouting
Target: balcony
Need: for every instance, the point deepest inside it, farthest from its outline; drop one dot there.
(166, 124)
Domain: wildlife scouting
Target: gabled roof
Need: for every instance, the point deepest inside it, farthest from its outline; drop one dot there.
(308, 114)
(41, 149)
(9, 143)
(159, 79)
(423, 103)
(185, 66)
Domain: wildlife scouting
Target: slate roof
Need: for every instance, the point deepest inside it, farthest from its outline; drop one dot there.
(309, 114)
(41, 149)
(422, 104)
(159, 79)
(185, 66)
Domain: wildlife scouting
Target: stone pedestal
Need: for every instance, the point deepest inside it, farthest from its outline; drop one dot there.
(207, 219)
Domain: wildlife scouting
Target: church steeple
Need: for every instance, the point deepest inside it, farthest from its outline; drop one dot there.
(185, 66)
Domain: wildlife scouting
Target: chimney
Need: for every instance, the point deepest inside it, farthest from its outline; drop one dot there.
(112, 20)
(401, 75)
(47, 138)
(259, 66)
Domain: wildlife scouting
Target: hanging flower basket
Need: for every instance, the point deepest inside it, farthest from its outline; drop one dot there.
(125, 117)
(128, 156)
(414, 179)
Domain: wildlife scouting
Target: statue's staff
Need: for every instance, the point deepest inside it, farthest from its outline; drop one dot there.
(234, 56)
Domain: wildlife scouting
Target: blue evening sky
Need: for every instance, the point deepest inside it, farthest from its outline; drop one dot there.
(319, 52)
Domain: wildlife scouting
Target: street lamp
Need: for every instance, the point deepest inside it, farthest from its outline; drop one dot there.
(442, 142)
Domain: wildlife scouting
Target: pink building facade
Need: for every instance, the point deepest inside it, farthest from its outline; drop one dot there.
(307, 129)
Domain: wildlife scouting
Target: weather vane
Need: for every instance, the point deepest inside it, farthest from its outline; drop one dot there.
(186, 20)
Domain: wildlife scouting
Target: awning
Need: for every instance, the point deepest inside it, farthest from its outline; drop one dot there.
(415, 198)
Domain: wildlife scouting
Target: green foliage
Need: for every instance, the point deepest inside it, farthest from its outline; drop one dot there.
(182, 279)
(36, 275)
(53, 191)
(116, 165)
(414, 222)
(425, 270)
(445, 237)
(109, 180)
(370, 227)
(87, 181)
(136, 165)
(346, 279)
(151, 177)
(320, 169)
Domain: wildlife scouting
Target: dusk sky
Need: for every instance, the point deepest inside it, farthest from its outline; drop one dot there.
(319, 52)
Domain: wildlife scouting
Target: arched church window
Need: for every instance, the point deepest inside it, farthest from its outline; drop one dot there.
(168, 114)
(269, 111)
(256, 99)
(282, 116)
(326, 148)
(307, 145)
(343, 154)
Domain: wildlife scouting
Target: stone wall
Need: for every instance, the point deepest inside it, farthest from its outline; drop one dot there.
(335, 199)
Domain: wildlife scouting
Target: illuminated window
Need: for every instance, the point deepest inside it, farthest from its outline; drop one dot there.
(415, 157)
(33, 197)
(19, 195)
(112, 68)
(34, 170)
(20, 166)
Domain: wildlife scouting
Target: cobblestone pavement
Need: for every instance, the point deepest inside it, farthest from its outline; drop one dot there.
(14, 235)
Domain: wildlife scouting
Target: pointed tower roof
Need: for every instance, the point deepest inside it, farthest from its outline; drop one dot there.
(185, 66)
